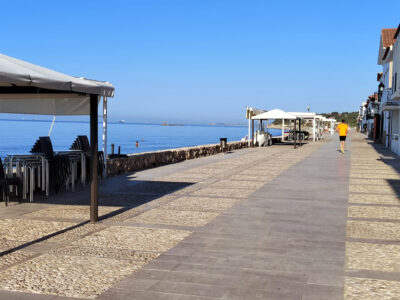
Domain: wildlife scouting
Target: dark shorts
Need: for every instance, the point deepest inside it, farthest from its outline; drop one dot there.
(342, 138)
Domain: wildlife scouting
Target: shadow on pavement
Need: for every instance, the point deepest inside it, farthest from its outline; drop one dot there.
(120, 191)
(390, 159)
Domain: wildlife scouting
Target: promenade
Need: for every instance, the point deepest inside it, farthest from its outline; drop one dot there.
(262, 223)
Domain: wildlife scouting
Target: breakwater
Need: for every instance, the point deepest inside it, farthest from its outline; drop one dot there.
(141, 161)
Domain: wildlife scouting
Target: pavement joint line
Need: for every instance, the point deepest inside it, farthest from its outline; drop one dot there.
(374, 204)
(373, 219)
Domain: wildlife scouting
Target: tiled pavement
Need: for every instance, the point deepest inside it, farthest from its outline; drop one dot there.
(265, 223)
(373, 227)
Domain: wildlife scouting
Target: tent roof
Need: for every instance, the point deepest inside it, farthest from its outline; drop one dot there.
(15, 72)
(328, 119)
(304, 115)
(30, 89)
(274, 114)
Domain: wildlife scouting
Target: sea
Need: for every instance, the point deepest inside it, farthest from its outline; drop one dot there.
(18, 136)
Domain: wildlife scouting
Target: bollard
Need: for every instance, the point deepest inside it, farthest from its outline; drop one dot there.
(112, 148)
(223, 144)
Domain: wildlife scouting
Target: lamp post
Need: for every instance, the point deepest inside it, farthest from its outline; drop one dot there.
(381, 88)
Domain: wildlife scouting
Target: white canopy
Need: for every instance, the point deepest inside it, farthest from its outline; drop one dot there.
(275, 114)
(30, 89)
(328, 119)
(304, 115)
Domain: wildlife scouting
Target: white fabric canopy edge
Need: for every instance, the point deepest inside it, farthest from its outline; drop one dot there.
(45, 104)
(274, 114)
(15, 72)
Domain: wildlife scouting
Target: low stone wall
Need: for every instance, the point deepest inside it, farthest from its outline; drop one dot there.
(141, 161)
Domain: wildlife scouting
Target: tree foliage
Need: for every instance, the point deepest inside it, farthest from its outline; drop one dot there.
(349, 117)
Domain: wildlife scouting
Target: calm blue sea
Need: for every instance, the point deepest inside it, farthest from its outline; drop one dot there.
(19, 136)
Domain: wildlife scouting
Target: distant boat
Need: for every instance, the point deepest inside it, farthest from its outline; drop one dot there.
(166, 124)
(122, 121)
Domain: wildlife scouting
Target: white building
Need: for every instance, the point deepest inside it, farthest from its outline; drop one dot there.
(394, 110)
(389, 115)
(362, 117)
(372, 117)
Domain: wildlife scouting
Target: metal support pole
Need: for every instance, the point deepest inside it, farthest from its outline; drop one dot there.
(104, 137)
(248, 135)
(94, 159)
(283, 130)
(294, 134)
(52, 125)
(300, 132)
(252, 133)
(313, 129)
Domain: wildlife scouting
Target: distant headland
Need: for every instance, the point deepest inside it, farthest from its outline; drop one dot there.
(167, 124)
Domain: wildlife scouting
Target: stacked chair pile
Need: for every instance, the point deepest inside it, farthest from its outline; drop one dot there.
(59, 170)
(82, 143)
(6, 182)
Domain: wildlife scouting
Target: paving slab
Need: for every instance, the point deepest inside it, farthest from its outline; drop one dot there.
(254, 255)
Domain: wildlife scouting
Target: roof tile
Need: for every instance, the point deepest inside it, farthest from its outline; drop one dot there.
(388, 36)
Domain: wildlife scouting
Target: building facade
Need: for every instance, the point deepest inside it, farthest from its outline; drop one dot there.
(395, 96)
(388, 111)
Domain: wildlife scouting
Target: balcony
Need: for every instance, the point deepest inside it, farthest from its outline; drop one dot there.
(391, 105)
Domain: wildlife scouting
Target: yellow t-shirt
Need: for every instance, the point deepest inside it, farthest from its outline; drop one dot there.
(342, 127)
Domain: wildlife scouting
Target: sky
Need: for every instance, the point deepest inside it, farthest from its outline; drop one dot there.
(204, 61)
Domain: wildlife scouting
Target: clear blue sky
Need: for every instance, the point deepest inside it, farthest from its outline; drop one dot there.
(206, 60)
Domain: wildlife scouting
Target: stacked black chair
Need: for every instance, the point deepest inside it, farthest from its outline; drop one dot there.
(6, 182)
(59, 170)
(82, 143)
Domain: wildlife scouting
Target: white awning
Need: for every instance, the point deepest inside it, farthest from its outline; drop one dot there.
(26, 88)
(304, 115)
(275, 114)
(328, 119)
(45, 104)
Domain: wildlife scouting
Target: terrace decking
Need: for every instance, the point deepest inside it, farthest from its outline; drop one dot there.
(262, 223)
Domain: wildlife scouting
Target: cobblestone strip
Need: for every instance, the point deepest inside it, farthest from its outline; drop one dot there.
(373, 226)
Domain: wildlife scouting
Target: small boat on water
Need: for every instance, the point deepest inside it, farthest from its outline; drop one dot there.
(122, 121)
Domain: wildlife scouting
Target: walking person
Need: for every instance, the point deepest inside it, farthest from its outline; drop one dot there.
(343, 129)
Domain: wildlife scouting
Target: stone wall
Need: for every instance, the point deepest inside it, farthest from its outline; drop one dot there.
(141, 161)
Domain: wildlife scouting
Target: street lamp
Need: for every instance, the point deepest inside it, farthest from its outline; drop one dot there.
(381, 87)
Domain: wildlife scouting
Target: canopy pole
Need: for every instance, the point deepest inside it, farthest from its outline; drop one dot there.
(252, 133)
(294, 133)
(104, 137)
(319, 130)
(94, 159)
(283, 129)
(248, 134)
(300, 139)
(313, 129)
(52, 125)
